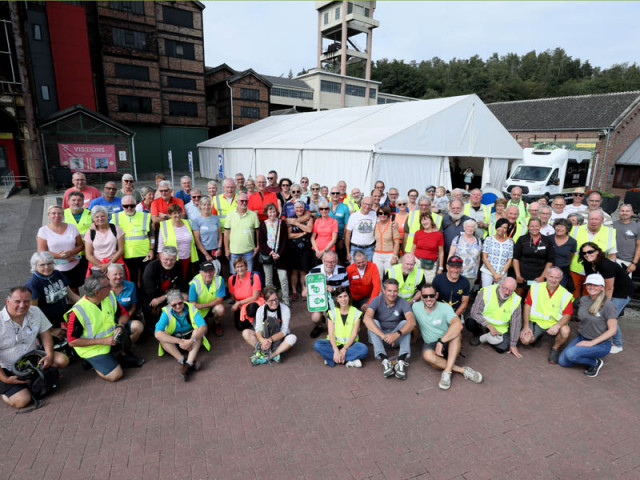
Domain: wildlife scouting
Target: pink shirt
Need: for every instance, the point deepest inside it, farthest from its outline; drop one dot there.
(59, 243)
(325, 230)
(105, 244)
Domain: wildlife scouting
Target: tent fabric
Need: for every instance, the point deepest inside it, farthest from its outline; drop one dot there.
(409, 142)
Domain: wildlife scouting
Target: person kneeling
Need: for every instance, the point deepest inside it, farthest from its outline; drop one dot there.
(271, 337)
(441, 331)
(341, 344)
(181, 332)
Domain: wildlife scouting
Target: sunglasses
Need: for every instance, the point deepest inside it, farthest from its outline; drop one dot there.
(174, 305)
(431, 191)
(401, 204)
(314, 188)
(335, 193)
(588, 252)
(196, 196)
(243, 201)
(128, 181)
(296, 191)
(163, 191)
(578, 194)
(110, 188)
(428, 295)
(323, 209)
(285, 185)
(381, 214)
(128, 206)
(270, 178)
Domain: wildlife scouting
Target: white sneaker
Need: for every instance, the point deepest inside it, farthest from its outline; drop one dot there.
(615, 349)
(354, 363)
(471, 374)
(445, 380)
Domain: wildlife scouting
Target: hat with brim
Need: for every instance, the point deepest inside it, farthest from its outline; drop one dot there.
(594, 279)
(579, 190)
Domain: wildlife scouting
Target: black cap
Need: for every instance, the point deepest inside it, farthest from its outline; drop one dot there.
(455, 261)
(207, 266)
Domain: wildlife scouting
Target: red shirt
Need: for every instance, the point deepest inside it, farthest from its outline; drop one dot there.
(427, 244)
(89, 193)
(159, 206)
(568, 309)
(258, 201)
(363, 286)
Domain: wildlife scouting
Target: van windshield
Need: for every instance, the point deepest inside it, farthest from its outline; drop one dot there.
(528, 172)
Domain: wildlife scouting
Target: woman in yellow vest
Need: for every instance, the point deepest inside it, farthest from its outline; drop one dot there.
(341, 344)
(177, 233)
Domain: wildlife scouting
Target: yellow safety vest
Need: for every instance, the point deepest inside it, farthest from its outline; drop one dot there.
(522, 207)
(407, 287)
(547, 311)
(353, 206)
(224, 207)
(171, 326)
(414, 225)
(206, 294)
(168, 232)
(343, 330)
(605, 239)
(498, 315)
(84, 223)
(96, 323)
(485, 209)
(520, 230)
(136, 233)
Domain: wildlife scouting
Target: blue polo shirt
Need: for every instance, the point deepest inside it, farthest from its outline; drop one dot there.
(341, 215)
(112, 207)
(182, 321)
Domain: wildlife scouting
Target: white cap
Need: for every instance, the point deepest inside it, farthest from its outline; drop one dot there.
(594, 279)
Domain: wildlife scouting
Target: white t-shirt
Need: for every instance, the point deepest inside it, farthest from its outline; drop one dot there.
(362, 228)
(286, 317)
(60, 243)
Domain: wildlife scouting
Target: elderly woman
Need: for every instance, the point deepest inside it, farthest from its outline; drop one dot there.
(428, 247)
(401, 216)
(271, 336)
(148, 195)
(250, 186)
(314, 199)
(533, 254)
(500, 205)
(178, 233)
(49, 290)
(128, 188)
(245, 289)
(104, 242)
(272, 244)
(468, 247)
(299, 258)
(289, 205)
(325, 231)
(388, 238)
(575, 219)
(207, 230)
(598, 323)
(497, 254)
(565, 248)
(62, 240)
(125, 292)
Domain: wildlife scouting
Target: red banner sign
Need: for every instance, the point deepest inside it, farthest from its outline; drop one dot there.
(88, 158)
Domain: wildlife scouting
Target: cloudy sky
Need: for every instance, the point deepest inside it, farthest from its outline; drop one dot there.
(273, 37)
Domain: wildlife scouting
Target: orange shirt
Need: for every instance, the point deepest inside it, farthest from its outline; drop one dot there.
(258, 201)
(363, 286)
(159, 206)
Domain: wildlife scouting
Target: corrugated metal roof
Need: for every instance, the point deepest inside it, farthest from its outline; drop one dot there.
(631, 156)
(288, 82)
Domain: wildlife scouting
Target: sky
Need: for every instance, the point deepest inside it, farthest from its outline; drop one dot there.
(274, 37)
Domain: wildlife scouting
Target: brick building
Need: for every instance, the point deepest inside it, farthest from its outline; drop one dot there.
(607, 124)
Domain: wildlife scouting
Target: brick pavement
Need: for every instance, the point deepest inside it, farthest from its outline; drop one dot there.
(303, 420)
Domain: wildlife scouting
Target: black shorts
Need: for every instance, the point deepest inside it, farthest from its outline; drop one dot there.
(9, 389)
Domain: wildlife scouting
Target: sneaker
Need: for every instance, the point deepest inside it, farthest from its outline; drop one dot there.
(593, 371)
(317, 330)
(615, 349)
(218, 330)
(185, 370)
(276, 359)
(471, 374)
(445, 380)
(474, 341)
(257, 359)
(387, 368)
(401, 369)
(554, 355)
(354, 363)
(197, 366)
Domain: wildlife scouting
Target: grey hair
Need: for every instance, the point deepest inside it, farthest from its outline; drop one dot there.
(146, 190)
(127, 176)
(205, 198)
(115, 266)
(185, 177)
(402, 200)
(174, 295)
(93, 283)
(545, 208)
(299, 202)
(555, 267)
(471, 220)
(196, 190)
(296, 185)
(358, 253)
(423, 198)
(579, 218)
(40, 256)
(170, 250)
(165, 183)
(98, 209)
(212, 182)
(323, 203)
(329, 252)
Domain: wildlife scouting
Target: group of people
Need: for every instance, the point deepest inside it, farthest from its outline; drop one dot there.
(404, 266)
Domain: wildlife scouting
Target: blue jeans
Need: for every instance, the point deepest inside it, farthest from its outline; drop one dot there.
(367, 251)
(572, 355)
(355, 351)
(378, 344)
(247, 256)
(620, 303)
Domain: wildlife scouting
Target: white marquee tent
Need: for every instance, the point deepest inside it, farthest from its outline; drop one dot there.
(407, 145)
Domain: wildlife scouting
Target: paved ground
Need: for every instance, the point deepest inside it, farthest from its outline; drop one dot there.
(303, 420)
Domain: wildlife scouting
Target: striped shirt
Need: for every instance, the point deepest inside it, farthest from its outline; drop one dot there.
(338, 278)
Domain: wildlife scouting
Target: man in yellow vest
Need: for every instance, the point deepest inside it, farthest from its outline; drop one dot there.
(515, 229)
(547, 309)
(516, 201)
(206, 293)
(353, 201)
(139, 241)
(226, 201)
(497, 309)
(76, 214)
(594, 231)
(412, 224)
(181, 332)
(479, 212)
(95, 325)
(410, 278)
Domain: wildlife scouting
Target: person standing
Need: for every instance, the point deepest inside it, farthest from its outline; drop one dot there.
(108, 200)
(468, 178)
(262, 197)
(240, 233)
(360, 231)
(128, 188)
(185, 193)
(89, 193)
(340, 213)
(627, 239)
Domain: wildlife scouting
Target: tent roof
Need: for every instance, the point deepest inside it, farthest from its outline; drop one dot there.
(454, 126)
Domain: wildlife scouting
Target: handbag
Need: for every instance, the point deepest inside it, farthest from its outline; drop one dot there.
(266, 258)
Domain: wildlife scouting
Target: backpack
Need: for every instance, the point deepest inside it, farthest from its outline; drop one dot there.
(42, 381)
(112, 227)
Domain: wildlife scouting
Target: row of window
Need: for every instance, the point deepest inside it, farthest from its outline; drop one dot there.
(135, 40)
(350, 7)
(170, 15)
(287, 92)
(382, 100)
(134, 104)
(246, 112)
(137, 72)
(353, 90)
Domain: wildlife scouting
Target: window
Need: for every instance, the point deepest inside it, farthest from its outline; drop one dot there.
(7, 65)
(626, 176)
(250, 112)
(249, 94)
(132, 72)
(179, 49)
(179, 82)
(183, 109)
(326, 18)
(177, 16)
(338, 13)
(129, 38)
(349, 8)
(37, 32)
(372, 92)
(132, 7)
(132, 104)
(329, 87)
(366, 12)
(287, 92)
(44, 91)
(355, 91)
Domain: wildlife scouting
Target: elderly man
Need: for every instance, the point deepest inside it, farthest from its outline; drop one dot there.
(453, 289)
(80, 185)
(206, 293)
(262, 197)
(390, 321)
(533, 211)
(336, 276)
(342, 186)
(76, 214)
(594, 200)
(240, 188)
(558, 205)
(240, 229)
(453, 224)
(353, 201)
(412, 225)
(128, 188)
(20, 326)
(547, 309)
(192, 208)
(497, 308)
(545, 215)
(360, 231)
(185, 193)
(364, 280)
(226, 201)
(158, 278)
(457, 194)
(594, 231)
(392, 198)
(515, 229)
(94, 325)
(139, 241)
(627, 239)
(181, 332)
(410, 278)
(340, 213)
(160, 206)
(516, 201)
(441, 330)
(479, 212)
(273, 186)
(108, 200)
